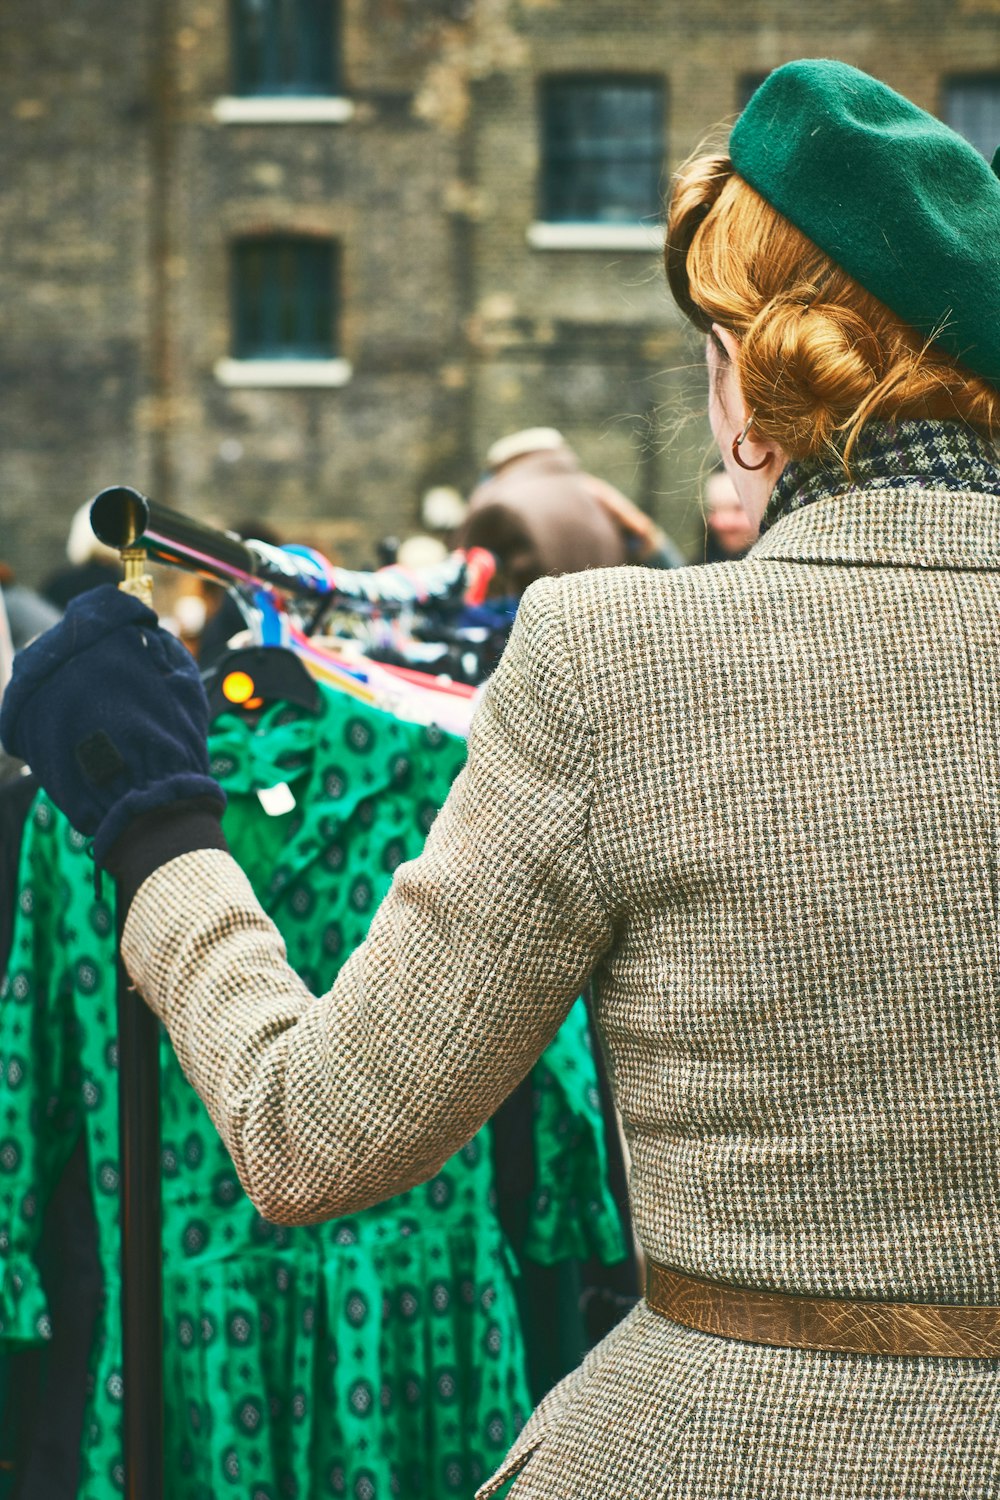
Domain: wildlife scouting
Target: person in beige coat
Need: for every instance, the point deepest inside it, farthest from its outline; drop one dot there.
(758, 803)
(540, 514)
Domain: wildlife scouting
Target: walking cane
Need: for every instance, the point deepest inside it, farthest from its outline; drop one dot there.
(139, 1193)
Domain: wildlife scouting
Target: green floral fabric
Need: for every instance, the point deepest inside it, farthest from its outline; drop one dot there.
(377, 1356)
(573, 1216)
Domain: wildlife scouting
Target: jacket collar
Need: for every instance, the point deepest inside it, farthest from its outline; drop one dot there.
(920, 494)
(893, 528)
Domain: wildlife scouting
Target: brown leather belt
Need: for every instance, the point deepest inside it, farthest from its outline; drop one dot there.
(844, 1325)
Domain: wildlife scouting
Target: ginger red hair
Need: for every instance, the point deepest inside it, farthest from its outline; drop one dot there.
(819, 356)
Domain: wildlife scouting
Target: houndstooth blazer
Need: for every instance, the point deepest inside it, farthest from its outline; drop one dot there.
(759, 802)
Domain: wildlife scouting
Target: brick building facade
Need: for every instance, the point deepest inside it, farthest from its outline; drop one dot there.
(300, 261)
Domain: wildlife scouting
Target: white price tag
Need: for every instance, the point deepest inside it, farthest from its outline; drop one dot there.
(276, 800)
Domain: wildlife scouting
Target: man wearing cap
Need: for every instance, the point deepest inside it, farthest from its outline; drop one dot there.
(757, 802)
(542, 515)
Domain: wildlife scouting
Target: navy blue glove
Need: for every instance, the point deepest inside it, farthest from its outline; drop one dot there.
(110, 714)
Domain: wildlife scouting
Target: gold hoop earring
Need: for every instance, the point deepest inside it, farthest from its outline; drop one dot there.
(738, 443)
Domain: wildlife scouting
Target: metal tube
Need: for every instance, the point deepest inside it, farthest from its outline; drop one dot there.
(120, 515)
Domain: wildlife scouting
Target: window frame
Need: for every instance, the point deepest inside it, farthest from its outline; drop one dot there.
(982, 80)
(304, 291)
(606, 225)
(316, 72)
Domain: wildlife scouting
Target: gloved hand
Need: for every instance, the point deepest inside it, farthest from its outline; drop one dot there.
(110, 714)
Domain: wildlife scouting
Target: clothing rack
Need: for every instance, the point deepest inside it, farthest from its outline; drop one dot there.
(290, 590)
(436, 621)
(120, 516)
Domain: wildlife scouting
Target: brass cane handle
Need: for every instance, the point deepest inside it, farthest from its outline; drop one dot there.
(137, 581)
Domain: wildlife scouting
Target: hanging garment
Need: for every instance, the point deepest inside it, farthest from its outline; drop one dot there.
(43, 1389)
(374, 1356)
(417, 697)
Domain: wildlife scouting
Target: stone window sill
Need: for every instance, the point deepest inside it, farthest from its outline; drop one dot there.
(278, 110)
(287, 373)
(647, 237)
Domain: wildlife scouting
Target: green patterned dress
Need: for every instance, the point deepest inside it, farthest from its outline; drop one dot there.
(373, 1357)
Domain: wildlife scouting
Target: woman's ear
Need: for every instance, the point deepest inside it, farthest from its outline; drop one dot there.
(753, 464)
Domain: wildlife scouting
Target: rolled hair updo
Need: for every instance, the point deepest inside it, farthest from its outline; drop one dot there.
(819, 356)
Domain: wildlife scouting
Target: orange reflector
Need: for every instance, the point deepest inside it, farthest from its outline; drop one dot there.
(237, 687)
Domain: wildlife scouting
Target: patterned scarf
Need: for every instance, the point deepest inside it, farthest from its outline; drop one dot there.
(925, 455)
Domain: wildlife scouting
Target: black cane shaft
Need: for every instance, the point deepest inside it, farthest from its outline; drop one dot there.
(142, 1277)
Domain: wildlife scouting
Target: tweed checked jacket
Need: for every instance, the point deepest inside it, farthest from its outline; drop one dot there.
(759, 802)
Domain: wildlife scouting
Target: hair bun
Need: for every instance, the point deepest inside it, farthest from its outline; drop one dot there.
(814, 362)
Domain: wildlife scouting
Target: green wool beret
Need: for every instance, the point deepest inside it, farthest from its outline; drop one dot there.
(896, 198)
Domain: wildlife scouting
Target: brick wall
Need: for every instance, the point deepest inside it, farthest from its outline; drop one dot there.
(122, 193)
(75, 263)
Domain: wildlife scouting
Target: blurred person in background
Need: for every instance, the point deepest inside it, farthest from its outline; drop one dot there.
(729, 531)
(542, 515)
(6, 647)
(27, 613)
(91, 563)
(442, 511)
(419, 552)
(757, 802)
(9, 767)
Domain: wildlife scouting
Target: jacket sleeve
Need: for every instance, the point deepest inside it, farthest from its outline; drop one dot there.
(473, 959)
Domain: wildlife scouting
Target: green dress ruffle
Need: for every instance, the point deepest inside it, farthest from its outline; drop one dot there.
(370, 1357)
